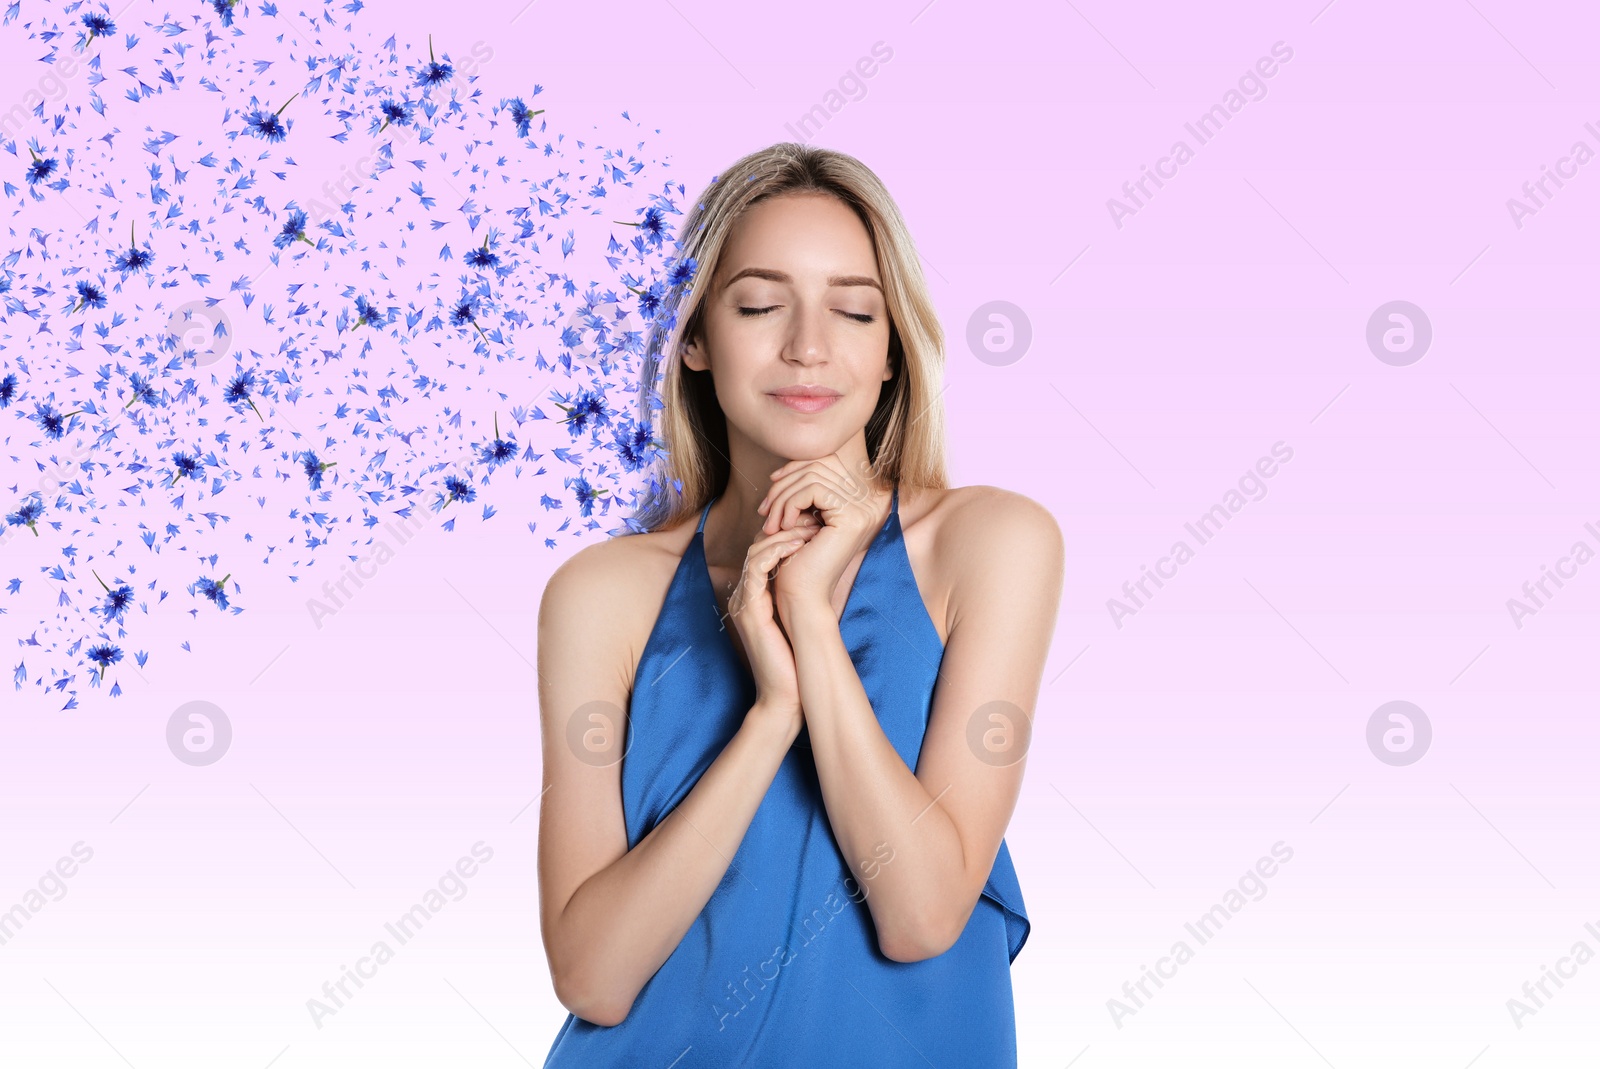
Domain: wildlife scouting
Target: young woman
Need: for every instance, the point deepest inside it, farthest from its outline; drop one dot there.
(780, 843)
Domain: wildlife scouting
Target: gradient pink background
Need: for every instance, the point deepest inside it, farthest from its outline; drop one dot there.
(1228, 314)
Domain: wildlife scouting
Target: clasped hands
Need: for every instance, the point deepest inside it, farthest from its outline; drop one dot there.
(842, 505)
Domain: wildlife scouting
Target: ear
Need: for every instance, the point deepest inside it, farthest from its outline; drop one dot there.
(693, 358)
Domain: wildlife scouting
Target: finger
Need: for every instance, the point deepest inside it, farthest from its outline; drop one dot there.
(814, 490)
(787, 474)
(762, 557)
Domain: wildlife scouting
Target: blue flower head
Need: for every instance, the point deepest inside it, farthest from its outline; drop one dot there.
(293, 230)
(118, 598)
(397, 112)
(214, 590)
(435, 73)
(89, 296)
(314, 468)
(267, 125)
(27, 514)
(521, 116)
(133, 258)
(41, 168)
(105, 655)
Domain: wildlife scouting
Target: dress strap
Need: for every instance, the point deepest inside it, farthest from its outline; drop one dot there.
(704, 513)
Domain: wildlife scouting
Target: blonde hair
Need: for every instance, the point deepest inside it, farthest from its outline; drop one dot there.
(905, 434)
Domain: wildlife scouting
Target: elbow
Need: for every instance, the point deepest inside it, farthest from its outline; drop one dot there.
(595, 1002)
(918, 941)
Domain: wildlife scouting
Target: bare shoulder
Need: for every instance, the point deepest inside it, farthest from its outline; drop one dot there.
(606, 597)
(979, 538)
(996, 520)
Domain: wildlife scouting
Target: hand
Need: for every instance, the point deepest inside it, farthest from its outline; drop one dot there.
(766, 646)
(848, 507)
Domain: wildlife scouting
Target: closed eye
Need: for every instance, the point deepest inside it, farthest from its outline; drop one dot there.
(751, 313)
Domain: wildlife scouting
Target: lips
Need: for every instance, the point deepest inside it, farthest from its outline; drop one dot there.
(805, 398)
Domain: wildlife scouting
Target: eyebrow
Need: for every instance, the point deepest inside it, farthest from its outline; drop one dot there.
(778, 276)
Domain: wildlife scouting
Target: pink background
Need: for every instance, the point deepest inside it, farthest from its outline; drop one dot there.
(1167, 355)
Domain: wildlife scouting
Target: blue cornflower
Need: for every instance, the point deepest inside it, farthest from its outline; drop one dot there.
(267, 125)
(184, 466)
(635, 444)
(464, 313)
(41, 168)
(314, 469)
(650, 299)
(214, 590)
(522, 116)
(118, 599)
(586, 406)
(239, 390)
(681, 272)
(500, 450)
(456, 489)
(367, 313)
(89, 295)
(134, 259)
(99, 26)
(481, 257)
(294, 229)
(53, 423)
(105, 655)
(27, 514)
(141, 389)
(587, 495)
(8, 390)
(435, 72)
(654, 225)
(398, 112)
(224, 10)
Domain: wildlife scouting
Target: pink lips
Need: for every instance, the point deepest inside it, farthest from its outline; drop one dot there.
(805, 398)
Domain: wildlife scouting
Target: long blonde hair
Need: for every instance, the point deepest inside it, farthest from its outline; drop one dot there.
(905, 435)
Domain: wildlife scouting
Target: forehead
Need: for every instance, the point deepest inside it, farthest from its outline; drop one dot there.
(804, 235)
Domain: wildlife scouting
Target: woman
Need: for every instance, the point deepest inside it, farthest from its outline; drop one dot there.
(788, 850)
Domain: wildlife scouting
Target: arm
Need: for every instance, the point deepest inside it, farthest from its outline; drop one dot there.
(611, 916)
(945, 822)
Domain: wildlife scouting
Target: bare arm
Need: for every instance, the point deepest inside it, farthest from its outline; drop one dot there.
(944, 823)
(611, 916)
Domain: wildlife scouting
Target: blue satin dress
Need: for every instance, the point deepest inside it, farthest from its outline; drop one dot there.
(782, 966)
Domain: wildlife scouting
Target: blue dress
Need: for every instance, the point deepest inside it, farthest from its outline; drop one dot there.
(782, 966)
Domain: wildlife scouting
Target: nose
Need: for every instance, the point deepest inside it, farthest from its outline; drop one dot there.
(807, 343)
